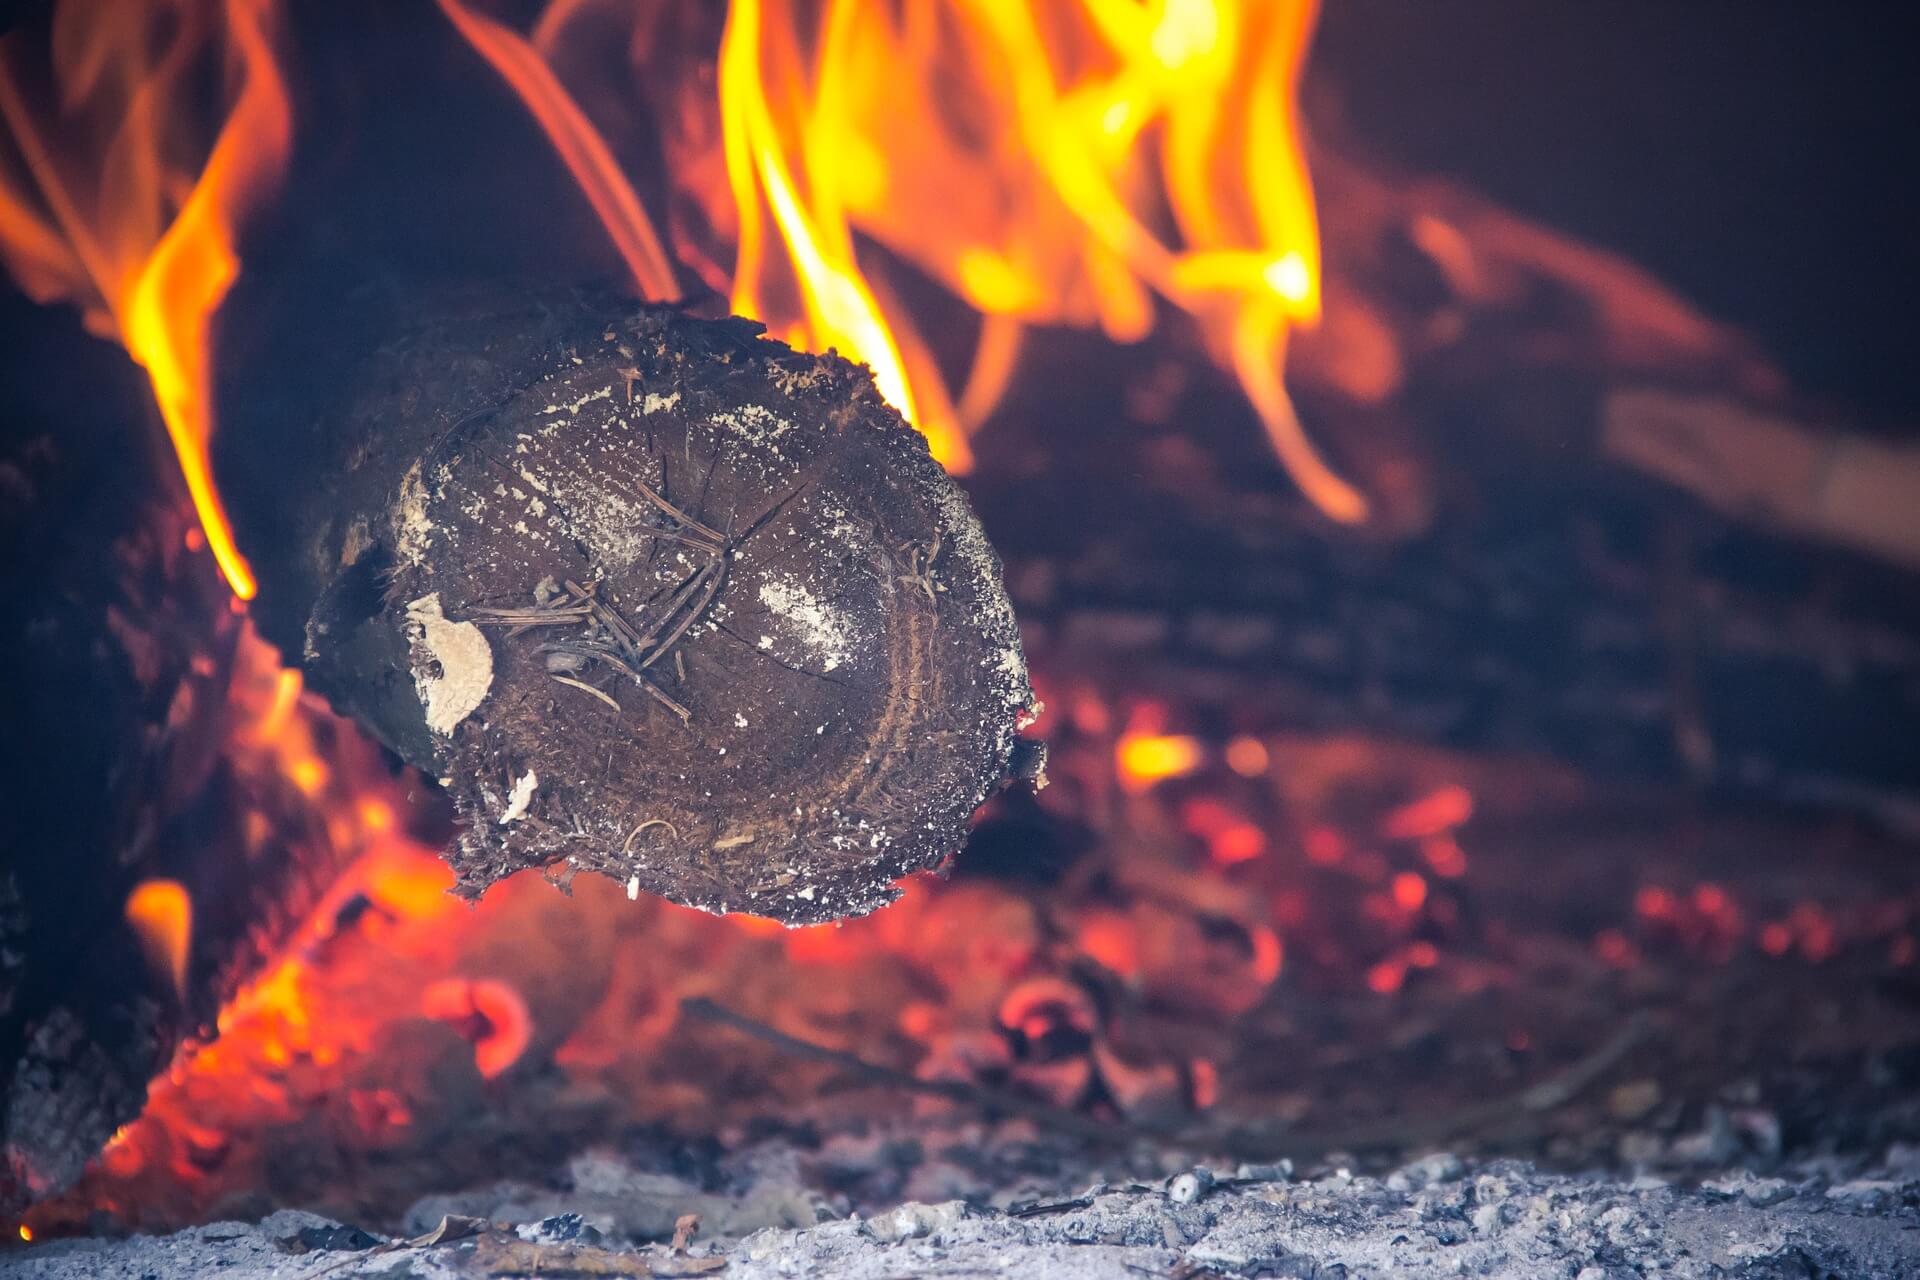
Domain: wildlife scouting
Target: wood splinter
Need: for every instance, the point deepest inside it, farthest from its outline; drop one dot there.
(514, 506)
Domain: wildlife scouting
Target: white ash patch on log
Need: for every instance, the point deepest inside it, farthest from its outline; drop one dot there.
(754, 424)
(452, 665)
(520, 798)
(824, 632)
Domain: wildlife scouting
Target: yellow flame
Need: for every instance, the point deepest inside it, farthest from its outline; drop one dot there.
(1058, 164)
(1048, 164)
(161, 913)
(104, 222)
(837, 305)
(1146, 758)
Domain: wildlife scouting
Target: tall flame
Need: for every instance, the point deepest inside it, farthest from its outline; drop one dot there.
(789, 171)
(97, 207)
(1049, 165)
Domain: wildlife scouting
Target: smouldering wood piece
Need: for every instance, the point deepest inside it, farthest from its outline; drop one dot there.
(743, 628)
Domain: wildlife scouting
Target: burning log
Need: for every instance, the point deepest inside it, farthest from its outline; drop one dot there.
(138, 885)
(88, 807)
(651, 596)
(1595, 620)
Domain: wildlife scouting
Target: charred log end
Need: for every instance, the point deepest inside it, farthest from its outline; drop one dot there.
(688, 609)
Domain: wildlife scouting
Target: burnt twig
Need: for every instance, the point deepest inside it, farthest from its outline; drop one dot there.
(693, 582)
(693, 615)
(711, 534)
(530, 617)
(601, 694)
(599, 653)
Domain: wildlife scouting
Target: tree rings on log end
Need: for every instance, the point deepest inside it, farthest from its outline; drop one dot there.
(700, 613)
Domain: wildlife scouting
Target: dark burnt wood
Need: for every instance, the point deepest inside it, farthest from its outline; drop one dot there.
(116, 645)
(1557, 604)
(653, 596)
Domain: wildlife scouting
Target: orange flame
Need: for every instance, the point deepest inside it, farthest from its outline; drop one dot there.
(1147, 758)
(767, 158)
(1019, 157)
(1060, 165)
(110, 220)
(161, 913)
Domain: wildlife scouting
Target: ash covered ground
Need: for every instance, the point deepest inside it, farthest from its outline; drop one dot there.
(1435, 1216)
(1655, 1040)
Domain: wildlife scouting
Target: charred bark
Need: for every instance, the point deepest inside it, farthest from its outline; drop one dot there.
(117, 647)
(652, 596)
(1591, 618)
(83, 1023)
(1604, 528)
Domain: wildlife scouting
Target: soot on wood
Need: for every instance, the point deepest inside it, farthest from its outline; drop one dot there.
(651, 595)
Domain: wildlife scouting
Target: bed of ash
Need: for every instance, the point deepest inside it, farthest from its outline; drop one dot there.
(1434, 1216)
(1617, 1034)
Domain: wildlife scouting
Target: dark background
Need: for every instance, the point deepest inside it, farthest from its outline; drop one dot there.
(1757, 155)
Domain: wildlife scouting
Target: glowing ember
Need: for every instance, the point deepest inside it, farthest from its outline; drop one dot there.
(1148, 758)
(1435, 813)
(1444, 854)
(1387, 976)
(1325, 846)
(1230, 837)
(161, 913)
(487, 1012)
(1247, 756)
(1145, 754)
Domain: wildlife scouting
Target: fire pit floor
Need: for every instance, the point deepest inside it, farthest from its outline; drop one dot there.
(1703, 1089)
(1438, 1216)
